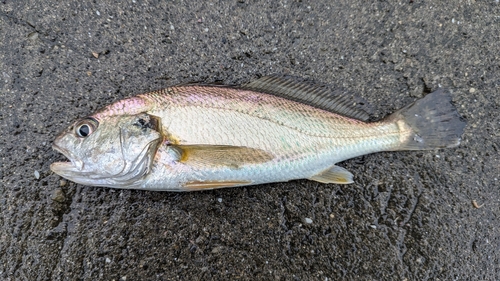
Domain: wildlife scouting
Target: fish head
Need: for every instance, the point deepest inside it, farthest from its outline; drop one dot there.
(113, 151)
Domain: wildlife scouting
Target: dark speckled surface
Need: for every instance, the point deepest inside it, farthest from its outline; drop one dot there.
(409, 216)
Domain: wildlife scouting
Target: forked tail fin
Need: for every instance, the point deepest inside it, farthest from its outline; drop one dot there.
(433, 120)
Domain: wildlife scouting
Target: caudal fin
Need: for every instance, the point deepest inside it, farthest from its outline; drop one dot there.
(434, 122)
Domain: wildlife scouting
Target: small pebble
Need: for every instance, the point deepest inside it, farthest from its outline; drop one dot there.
(58, 195)
(219, 199)
(33, 35)
(62, 183)
(216, 249)
(37, 175)
(472, 90)
(308, 220)
(199, 240)
(108, 260)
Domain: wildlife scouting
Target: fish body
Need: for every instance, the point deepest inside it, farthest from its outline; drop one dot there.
(197, 137)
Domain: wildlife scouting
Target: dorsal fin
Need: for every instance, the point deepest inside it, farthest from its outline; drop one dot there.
(305, 92)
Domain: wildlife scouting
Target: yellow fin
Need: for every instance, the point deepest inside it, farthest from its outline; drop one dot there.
(206, 185)
(221, 155)
(335, 174)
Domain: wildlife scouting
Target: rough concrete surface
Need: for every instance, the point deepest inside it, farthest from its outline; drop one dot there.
(408, 216)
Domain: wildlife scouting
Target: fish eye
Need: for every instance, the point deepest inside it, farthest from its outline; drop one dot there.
(84, 130)
(86, 127)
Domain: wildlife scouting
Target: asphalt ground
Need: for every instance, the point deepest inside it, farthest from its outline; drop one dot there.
(430, 215)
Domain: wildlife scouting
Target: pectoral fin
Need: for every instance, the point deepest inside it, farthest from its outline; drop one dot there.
(221, 155)
(207, 185)
(335, 174)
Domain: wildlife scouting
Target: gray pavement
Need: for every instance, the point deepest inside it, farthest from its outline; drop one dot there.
(409, 215)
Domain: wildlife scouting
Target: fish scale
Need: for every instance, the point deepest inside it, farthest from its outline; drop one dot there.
(301, 117)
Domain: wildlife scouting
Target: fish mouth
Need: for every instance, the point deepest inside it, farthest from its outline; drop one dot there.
(75, 164)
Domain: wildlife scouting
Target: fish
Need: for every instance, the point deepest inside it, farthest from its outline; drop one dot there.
(275, 129)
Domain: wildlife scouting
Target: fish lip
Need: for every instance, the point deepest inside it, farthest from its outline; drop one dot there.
(75, 165)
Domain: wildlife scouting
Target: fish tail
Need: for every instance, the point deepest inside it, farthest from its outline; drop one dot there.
(430, 123)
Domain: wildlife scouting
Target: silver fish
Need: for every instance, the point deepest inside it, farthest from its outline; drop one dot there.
(275, 129)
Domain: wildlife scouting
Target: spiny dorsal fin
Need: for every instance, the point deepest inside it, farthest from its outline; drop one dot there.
(318, 96)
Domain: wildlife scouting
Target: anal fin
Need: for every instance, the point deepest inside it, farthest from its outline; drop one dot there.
(335, 174)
